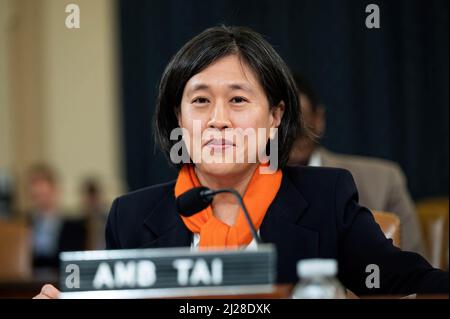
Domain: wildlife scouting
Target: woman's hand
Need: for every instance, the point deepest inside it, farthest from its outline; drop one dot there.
(48, 292)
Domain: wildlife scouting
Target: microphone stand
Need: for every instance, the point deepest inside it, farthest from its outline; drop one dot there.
(211, 193)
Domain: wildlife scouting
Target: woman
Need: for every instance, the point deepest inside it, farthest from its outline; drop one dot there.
(227, 80)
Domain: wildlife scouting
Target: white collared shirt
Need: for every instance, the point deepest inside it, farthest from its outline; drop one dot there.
(196, 240)
(315, 159)
(46, 230)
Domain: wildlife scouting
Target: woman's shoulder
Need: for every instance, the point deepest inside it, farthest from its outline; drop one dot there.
(316, 175)
(314, 182)
(146, 198)
(311, 181)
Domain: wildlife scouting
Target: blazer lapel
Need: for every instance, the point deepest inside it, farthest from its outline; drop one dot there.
(166, 227)
(287, 226)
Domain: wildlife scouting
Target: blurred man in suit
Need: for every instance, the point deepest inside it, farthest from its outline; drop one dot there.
(95, 211)
(52, 233)
(381, 184)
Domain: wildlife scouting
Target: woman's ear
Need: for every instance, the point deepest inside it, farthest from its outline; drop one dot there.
(277, 114)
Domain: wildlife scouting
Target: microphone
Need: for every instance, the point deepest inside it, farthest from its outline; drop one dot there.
(193, 201)
(198, 198)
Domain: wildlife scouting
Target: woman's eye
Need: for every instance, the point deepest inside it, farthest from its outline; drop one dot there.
(200, 100)
(238, 100)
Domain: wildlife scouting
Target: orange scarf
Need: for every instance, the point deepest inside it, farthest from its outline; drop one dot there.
(260, 193)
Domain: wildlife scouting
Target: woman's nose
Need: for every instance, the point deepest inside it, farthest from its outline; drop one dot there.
(219, 117)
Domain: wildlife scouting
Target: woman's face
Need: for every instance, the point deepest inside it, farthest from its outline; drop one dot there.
(222, 109)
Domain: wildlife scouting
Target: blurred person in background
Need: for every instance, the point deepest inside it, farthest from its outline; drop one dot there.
(381, 184)
(6, 195)
(94, 210)
(52, 231)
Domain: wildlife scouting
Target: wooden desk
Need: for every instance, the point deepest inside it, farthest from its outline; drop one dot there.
(22, 289)
(28, 288)
(280, 292)
(285, 292)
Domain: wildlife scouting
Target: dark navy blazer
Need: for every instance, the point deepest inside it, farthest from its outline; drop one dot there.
(314, 215)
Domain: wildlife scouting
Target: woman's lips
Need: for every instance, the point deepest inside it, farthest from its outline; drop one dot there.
(219, 144)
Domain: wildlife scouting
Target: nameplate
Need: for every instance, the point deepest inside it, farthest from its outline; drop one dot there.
(170, 272)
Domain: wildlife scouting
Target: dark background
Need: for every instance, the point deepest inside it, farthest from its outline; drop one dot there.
(386, 90)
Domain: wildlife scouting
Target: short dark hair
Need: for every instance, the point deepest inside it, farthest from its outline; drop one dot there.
(43, 171)
(91, 187)
(304, 87)
(211, 45)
